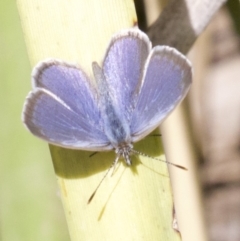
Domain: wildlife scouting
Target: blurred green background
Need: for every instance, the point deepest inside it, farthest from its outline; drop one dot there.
(30, 206)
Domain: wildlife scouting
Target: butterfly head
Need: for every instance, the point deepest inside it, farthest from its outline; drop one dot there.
(124, 151)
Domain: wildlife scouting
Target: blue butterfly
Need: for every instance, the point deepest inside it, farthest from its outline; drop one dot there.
(135, 89)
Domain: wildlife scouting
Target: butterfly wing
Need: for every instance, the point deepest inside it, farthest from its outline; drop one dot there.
(167, 79)
(123, 68)
(62, 108)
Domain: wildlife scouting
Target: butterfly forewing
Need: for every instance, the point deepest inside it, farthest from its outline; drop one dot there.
(167, 79)
(123, 68)
(71, 85)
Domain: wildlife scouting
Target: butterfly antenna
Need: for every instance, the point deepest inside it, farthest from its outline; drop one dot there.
(170, 163)
(113, 165)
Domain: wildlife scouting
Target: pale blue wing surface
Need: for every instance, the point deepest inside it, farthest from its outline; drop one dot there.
(168, 76)
(49, 118)
(64, 85)
(123, 68)
(71, 85)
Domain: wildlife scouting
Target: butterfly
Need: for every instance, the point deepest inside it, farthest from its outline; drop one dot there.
(135, 89)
